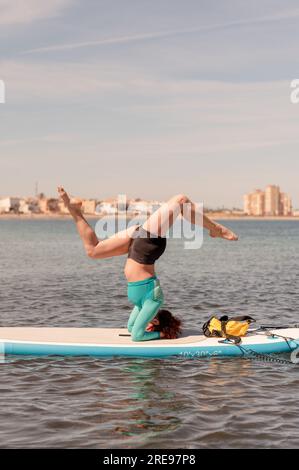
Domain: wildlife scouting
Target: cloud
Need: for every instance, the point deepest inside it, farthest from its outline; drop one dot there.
(158, 116)
(279, 16)
(27, 11)
(45, 81)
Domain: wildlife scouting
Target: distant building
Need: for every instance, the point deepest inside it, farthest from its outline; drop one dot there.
(29, 206)
(122, 203)
(24, 207)
(285, 204)
(141, 207)
(254, 203)
(48, 205)
(9, 204)
(89, 206)
(270, 202)
(31, 203)
(106, 207)
(62, 208)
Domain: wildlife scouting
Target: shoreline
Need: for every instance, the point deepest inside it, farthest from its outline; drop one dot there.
(215, 216)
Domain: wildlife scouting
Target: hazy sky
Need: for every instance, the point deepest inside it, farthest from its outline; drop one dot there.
(149, 97)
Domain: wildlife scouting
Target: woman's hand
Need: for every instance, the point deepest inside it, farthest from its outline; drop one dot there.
(150, 327)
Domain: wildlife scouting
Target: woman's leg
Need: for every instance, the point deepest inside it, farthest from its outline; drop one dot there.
(162, 220)
(147, 298)
(132, 318)
(147, 313)
(115, 246)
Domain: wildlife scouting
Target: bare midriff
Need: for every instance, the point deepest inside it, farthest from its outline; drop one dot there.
(135, 272)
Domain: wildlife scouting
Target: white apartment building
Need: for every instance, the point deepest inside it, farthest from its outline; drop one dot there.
(29, 206)
(270, 202)
(285, 204)
(141, 207)
(106, 208)
(9, 204)
(254, 203)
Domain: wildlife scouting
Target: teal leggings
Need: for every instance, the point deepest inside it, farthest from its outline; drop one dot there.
(147, 296)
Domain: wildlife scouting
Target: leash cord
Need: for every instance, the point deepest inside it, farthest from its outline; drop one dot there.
(267, 357)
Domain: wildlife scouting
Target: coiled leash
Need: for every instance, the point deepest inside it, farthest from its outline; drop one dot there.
(252, 355)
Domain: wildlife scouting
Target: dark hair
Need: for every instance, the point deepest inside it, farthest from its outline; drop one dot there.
(169, 324)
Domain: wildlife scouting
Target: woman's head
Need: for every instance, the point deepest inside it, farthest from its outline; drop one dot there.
(167, 323)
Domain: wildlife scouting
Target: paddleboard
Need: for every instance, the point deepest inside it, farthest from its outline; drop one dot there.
(117, 342)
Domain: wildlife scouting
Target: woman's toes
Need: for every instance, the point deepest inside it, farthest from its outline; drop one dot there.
(222, 232)
(61, 192)
(64, 196)
(232, 236)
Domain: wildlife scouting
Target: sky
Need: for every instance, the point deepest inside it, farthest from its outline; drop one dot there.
(149, 97)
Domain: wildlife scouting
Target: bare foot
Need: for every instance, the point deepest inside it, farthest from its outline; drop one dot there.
(219, 231)
(73, 205)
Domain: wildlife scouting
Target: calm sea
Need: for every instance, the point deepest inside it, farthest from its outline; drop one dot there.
(46, 280)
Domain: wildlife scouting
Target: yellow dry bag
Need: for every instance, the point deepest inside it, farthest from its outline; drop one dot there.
(230, 328)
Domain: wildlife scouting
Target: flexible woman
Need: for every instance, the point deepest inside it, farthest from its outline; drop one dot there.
(144, 245)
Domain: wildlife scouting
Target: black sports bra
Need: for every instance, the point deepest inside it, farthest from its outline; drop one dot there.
(145, 248)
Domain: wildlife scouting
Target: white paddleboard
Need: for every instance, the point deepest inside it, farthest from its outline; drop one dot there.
(117, 342)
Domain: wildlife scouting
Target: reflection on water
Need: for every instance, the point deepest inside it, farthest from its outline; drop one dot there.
(145, 403)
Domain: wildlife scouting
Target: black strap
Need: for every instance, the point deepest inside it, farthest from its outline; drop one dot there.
(240, 318)
(235, 339)
(205, 328)
(232, 339)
